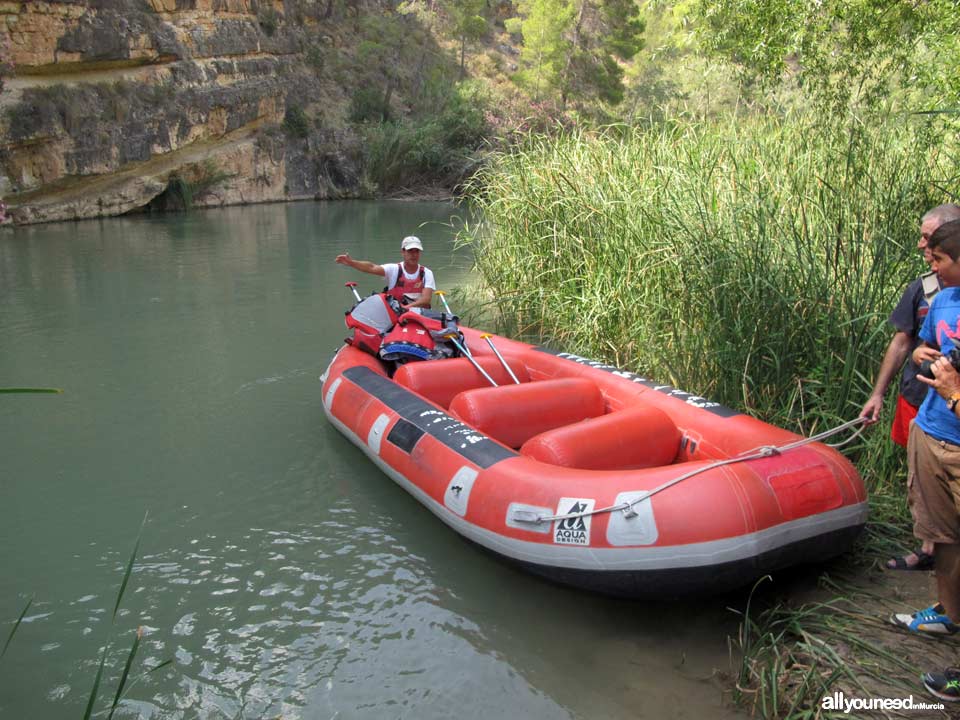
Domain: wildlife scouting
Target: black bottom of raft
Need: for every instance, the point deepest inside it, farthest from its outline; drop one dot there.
(703, 579)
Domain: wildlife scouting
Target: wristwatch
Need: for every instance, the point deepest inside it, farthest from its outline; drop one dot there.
(953, 400)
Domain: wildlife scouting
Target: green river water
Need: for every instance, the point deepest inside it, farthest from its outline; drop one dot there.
(282, 574)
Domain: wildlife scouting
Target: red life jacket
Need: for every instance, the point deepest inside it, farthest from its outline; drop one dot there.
(370, 319)
(407, 288)
(419, 337)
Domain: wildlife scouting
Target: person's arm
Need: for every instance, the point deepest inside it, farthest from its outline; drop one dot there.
(893, 360)
(423, 299)
(361, 265)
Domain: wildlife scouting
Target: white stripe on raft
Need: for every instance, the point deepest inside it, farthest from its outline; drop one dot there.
(705, 554)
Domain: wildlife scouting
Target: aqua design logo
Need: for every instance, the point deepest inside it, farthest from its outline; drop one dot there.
(573, 530)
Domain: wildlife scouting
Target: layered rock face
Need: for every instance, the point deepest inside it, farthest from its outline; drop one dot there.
(115, 105)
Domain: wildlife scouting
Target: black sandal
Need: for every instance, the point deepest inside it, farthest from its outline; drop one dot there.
(924, 562)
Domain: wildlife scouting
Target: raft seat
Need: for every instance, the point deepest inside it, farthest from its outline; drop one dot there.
(637, 437)
(512, 414)
(440, 380)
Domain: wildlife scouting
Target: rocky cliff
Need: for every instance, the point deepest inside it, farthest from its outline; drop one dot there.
(110, 106)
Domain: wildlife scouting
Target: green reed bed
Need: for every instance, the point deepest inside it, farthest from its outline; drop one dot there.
(752, 261)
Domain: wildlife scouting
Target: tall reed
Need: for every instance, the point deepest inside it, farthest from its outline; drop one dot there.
(750, 261)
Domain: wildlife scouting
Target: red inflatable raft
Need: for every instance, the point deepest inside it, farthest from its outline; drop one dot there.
(593, 476)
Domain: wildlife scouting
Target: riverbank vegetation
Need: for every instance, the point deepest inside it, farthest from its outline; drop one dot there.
(752, 260)
(741, 229)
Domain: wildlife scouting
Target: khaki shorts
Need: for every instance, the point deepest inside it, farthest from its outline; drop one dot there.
(933, 487)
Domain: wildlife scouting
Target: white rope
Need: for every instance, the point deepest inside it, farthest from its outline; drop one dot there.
(755, 454)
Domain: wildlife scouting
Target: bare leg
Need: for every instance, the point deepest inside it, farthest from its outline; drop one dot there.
(947, 563)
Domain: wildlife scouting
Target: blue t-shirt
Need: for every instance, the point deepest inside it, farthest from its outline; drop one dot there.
(908, 317)
(941, 328)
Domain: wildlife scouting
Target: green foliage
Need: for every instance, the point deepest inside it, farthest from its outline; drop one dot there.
(545, 47)
(268, 19)
(624, 28)
(381, 59)
(469, 24)
(751, 261)
(122, 685)
(316, 57)
(792, 657)
(671, 77)
(16, 626)
(439, 148)
(295, 122)
(572, 47)
(187, 185)
(842, 53)
(367, 105)
(178, 195)
(31, 390)
(206, 176)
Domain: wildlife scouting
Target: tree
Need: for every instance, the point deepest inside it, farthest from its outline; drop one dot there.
(604, 33)
(573, 47)
(469, 23)
(381, 59)
(843, 53)
(544, 26)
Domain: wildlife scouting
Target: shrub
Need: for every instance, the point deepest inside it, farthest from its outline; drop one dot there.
(295, 122)
(367, 105)
(269, 20)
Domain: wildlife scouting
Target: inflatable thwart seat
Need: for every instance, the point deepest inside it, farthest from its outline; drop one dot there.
(561, 421)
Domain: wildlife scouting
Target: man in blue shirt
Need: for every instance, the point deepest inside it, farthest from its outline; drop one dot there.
(907, 318)
(933, 451)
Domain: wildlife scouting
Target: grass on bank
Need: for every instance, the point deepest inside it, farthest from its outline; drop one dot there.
(791, 658)
(754, 262)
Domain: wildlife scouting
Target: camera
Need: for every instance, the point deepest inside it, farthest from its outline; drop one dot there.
(953, 356)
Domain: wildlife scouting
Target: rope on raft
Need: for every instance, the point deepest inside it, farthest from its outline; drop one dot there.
(755, 454)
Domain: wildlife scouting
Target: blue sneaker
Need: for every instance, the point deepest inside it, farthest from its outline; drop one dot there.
(929, 621)
(945, 685)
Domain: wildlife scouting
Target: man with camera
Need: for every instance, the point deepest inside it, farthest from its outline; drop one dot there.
(933, 449)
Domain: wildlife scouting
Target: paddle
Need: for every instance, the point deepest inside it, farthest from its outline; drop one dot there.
(496, 352)
(452, 337)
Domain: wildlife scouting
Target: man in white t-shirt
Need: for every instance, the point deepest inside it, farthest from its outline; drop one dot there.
(409, 282)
